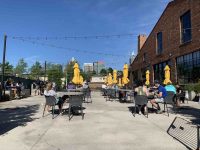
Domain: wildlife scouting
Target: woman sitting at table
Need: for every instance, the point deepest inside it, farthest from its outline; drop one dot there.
(50, 92)
(141, 89)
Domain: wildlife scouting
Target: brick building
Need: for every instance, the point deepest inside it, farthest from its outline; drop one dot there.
(174, 40)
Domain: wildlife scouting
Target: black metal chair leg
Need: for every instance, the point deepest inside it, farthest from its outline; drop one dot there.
(69, 113)
(53, 107)
(165, 107)
(174, 108)
(167, 110)
(82, 112)
(147, 111)
(135, 110)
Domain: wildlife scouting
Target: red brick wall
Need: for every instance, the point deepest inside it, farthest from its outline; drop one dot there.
(169, 25)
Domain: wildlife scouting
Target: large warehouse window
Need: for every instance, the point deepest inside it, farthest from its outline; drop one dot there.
(188, 67)
(186, 34)
(159, 43)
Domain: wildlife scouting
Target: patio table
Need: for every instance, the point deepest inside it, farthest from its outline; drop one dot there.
(125, 97)
(61, 94)
(74, 90)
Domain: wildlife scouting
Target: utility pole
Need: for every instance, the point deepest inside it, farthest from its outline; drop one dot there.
(97, 68)
(3, 64)
(45, 70)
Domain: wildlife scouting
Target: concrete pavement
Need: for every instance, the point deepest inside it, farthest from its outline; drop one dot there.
(106, 126)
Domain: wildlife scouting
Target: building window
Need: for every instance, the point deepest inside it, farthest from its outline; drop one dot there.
(188, 67)
(159, 43)
(186, 34)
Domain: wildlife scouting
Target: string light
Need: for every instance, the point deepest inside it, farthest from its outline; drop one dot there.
(75, 37)
(71, 49)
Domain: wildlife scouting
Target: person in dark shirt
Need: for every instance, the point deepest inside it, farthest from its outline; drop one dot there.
(162, 93)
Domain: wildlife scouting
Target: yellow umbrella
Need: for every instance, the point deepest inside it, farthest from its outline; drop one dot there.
(125, 79)
(115, 76)
(120, 82)
(78, 76)
(75, 79)
(110, 81)
(147, 77)
(106, 80)
(167, 75)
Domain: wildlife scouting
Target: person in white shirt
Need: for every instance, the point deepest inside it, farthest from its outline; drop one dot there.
(85, 86)
(49, 91)
(103, 86)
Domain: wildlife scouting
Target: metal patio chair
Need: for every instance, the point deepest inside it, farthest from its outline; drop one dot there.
(111, 94)
(76, 101)
(50, 101)
(87, 95)
(169, 100)
(140, 100)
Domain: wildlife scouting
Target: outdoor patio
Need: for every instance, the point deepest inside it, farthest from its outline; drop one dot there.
(107, 125)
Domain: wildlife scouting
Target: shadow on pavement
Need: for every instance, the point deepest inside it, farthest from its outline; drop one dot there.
(11, 118)
(191, 113)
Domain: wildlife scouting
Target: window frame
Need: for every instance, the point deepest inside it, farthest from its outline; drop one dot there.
(183, 36)
(158, 49)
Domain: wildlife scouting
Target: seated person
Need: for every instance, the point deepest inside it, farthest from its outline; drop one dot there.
(180, 94)
(85, 86)
(8, 84)
(50, 92)
(141, 89)
(19, 88)
(162, 93)
(170, 87)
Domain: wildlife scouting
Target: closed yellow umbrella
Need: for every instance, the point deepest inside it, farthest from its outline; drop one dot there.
(167, 75)
(110, 81)
(106, 80)
(120, 82)
(75, 79)
(125, 79)
(78, 76)
(147, 77)
(114, 76)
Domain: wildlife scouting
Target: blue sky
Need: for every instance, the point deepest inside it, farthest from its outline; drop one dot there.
(59, 18)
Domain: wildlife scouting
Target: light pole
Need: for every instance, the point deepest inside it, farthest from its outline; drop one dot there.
(3, 64)
(45, 70)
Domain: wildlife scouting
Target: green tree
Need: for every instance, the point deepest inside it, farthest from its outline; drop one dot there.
(110, 70)
(55, 73)
(119, 73)
(36, 70)
(21, 67)
(94, 72)
(8, 68)
(103, 72)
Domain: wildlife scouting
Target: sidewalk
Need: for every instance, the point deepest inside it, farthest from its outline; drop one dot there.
(106, 126)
